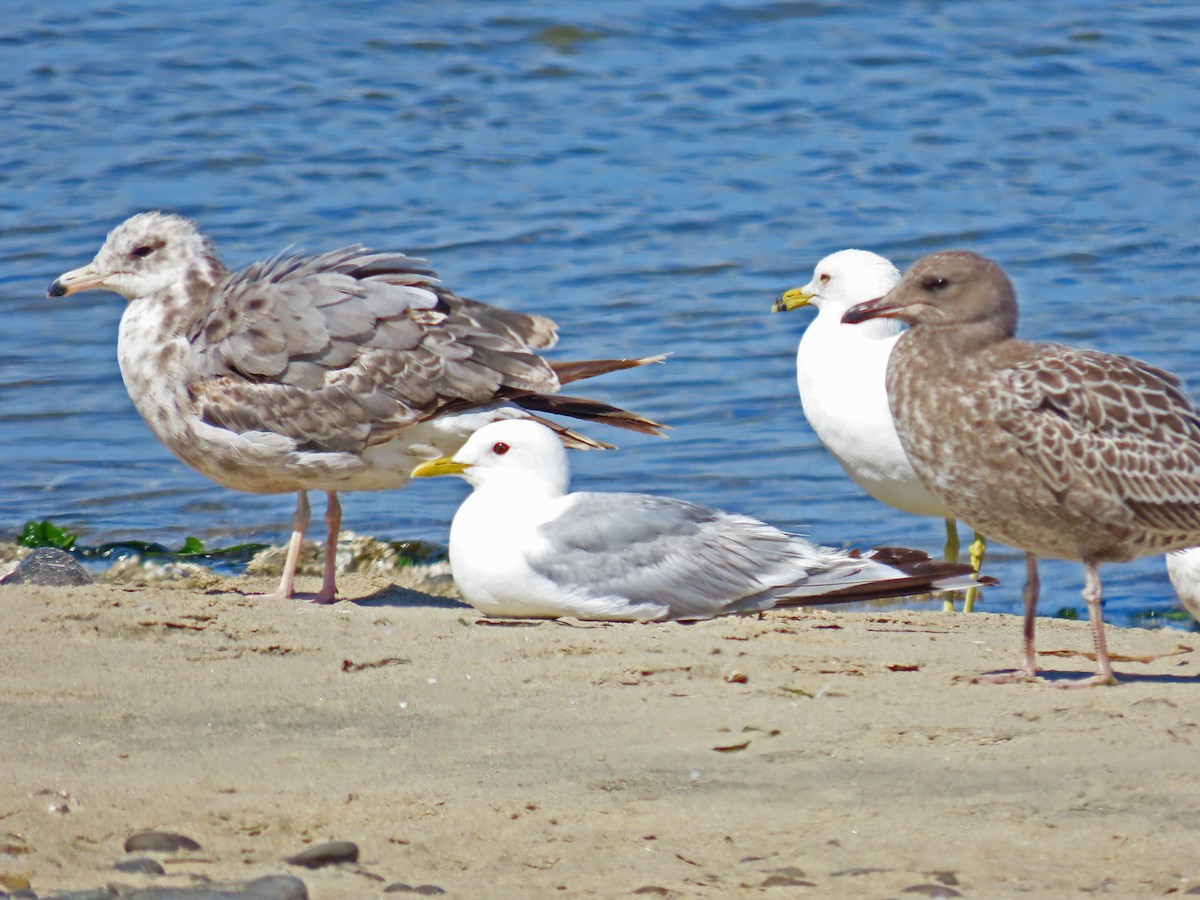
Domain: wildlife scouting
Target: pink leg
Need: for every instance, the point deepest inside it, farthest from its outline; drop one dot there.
(333, 524)
(1028, 671)
(1092, 594)
(287, 584)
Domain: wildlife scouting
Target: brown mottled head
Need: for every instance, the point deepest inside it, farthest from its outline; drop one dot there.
(145, 254)
(948, 289)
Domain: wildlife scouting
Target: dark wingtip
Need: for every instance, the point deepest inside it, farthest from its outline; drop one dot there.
(56, 289)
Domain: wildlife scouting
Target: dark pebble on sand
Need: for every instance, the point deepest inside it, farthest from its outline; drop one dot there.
(275, 887)
(48, 566)
(159, 842)
(331, 853)
(932, 890)
(142, 864)
(425, 890)
(788, 876)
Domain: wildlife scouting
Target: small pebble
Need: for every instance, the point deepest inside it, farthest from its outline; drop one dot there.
(786, 881)
(275, 887)
(48, 566)
(159, 842)
(788, 872)
(331, 853)
(932, 890)
(143, 864)
(427, 890)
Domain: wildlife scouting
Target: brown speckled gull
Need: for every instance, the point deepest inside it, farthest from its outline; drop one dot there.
(335, 372)
(1066, 453)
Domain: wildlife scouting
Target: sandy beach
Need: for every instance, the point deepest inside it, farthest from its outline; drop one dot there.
(825, 753)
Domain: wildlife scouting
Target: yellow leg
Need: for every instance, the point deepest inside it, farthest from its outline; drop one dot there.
(949, 597)
(975, 554)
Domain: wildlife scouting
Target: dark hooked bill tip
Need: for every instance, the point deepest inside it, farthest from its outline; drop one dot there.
(860, 312)
(56, 289)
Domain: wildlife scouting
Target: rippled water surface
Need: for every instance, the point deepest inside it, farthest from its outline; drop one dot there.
(649, 174)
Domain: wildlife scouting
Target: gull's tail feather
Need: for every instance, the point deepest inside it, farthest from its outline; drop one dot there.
(577, 370)
(588, 410)
(912, 572)
(583, 408)
(572, 440)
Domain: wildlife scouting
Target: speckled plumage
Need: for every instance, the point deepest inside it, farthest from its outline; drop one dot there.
(1067, 453)
(332, 372)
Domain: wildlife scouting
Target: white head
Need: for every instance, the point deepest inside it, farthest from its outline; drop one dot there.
(144, 255)
(515, 452)
(842, 280)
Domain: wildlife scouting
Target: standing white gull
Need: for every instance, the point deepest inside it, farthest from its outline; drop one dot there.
(522, 546)
(333, 372)
(841, 370)
(1066, 453)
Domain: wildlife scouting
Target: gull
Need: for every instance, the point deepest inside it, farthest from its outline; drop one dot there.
(840, 371)
(521, 546)
(1061, 452)
(334, 372)
(1183, 568)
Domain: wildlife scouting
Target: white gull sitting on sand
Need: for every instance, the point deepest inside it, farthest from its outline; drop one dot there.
(522, 546)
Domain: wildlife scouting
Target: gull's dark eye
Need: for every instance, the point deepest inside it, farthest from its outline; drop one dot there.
(141, 251)
(824, 277)
(499, 448)
(934, 283)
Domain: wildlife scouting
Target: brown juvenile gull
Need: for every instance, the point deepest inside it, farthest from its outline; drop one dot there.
(333, 372)
(1066, 453)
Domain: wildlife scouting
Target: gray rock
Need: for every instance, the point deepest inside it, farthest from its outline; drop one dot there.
(276, 887)
(159, 842)
(426, 890)
(331, 853)
(270, 887)
(932, 890)
(141, 864)
(48, 566)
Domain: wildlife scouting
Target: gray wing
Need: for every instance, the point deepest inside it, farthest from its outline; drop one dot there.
(339, 350)
(1118, 434)
(699, 561)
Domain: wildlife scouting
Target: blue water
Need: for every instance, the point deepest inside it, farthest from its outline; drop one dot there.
(649, 174)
